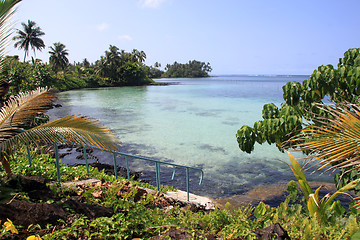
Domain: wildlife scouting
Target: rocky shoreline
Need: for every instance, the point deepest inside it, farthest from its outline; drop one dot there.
(271, 194)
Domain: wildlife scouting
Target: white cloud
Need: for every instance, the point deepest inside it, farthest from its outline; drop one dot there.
(102, 27)
(150, 3)
(125, 37)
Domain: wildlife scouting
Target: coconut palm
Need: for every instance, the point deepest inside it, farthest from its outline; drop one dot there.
(58, 56)
(138, 56)
(29, 37)
(18, 111)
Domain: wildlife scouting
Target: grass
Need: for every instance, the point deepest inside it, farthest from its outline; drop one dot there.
(143, 219)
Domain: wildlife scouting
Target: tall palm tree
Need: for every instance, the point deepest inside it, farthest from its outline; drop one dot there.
(58, 56)
(29, 37)
(18, 111)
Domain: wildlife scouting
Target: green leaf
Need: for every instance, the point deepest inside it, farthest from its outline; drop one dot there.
(312, 205)
(260, 210)
(356, 236)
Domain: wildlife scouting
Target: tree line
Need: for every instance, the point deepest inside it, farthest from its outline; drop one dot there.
(115, 68)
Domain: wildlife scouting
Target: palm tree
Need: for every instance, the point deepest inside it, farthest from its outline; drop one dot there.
(18, 111)
(142, 56)
(157, 64)
(29, 37)
(58, 56)
(112, 57)
(138, 56)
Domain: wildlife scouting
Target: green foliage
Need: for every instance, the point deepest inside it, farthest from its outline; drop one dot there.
(345, 176)
(325, 211)
(153, 72)
(44, 166)
(193, 69)
(58, 56)
(26, 76)
(121, 68)
(143, 219)
(29, 37)
(300, 99)
(133, 74)
(115, 68)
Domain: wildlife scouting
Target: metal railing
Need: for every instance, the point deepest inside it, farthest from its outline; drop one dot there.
(127, 156)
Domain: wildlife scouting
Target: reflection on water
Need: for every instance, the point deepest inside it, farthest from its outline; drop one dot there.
(192, 123)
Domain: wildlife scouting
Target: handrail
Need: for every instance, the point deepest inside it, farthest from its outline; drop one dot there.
(127, 156)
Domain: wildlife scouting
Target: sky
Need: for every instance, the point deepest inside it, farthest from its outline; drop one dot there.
(234, 36)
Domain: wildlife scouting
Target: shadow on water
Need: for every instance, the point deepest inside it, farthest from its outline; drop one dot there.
(225, 184)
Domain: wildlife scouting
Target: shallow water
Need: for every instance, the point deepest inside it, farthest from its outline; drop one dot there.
(191, 122)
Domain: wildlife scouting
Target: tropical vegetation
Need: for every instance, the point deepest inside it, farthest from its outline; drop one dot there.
(300, 102)
(17, 116)
(331, 137)
(116, 68)
(58, 56)
(29, 37)
(144, 217)
(191, 69)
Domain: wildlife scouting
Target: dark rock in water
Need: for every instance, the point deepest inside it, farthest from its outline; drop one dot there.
(81, 149)
(274, 194)
(274, 231)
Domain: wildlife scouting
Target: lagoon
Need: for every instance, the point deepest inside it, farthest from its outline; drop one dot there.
(191, 122)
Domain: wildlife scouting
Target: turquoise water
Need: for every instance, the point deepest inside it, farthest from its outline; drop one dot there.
(191, 122)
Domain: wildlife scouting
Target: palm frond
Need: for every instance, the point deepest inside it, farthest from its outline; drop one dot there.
(76, 129)
(7, 10)
(21, 109)
(335, 143)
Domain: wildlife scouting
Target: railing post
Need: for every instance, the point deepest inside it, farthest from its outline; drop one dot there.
(56, 149)
(187, 183)
(29, 155)
(173, 174)
(127, 167)
(157, 171)
(115, 166)
(127, 156)
(86, 159)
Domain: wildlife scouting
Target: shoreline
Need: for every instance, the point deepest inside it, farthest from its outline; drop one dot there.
(272, 194)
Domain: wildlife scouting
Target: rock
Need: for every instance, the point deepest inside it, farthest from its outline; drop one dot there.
(198, 201)
(274, 231)
(90, 210)
(26, 213)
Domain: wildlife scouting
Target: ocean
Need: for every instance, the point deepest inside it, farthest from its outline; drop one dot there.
(190, 122)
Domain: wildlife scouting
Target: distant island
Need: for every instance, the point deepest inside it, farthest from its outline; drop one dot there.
(192, 69)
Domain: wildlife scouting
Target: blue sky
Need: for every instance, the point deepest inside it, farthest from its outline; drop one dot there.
(235, 36)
